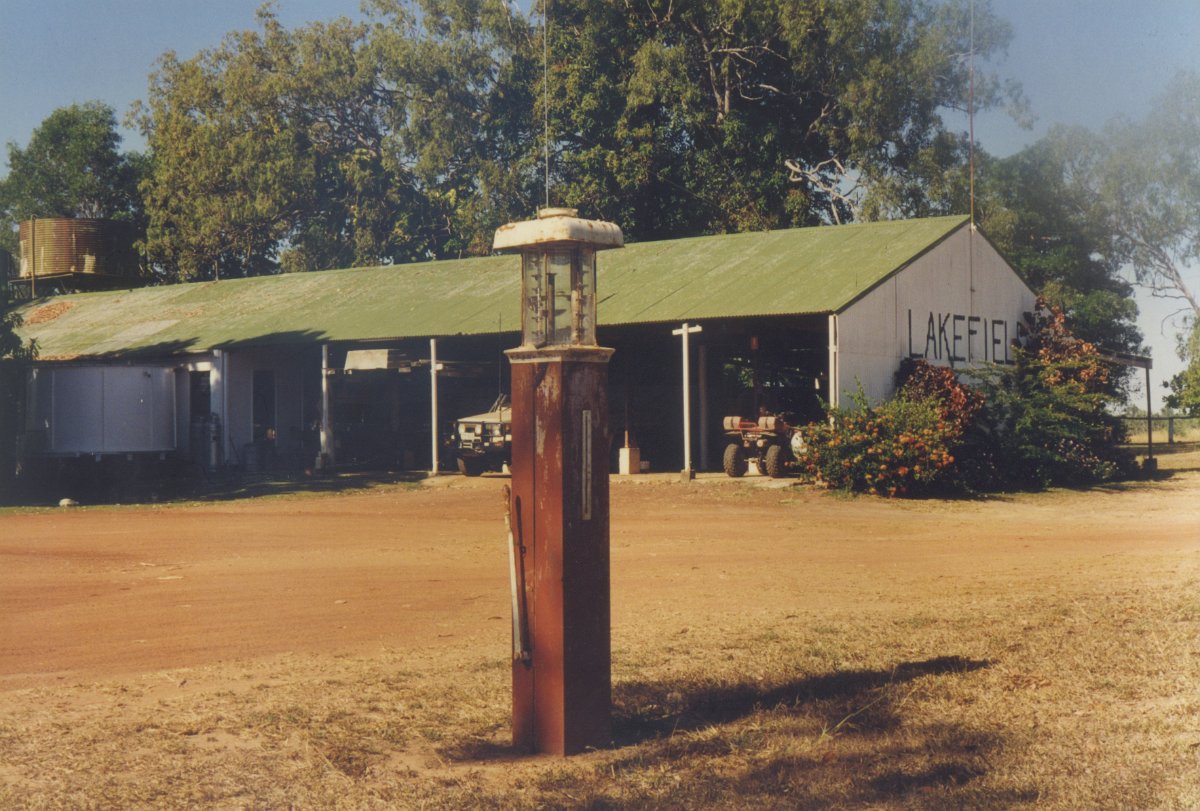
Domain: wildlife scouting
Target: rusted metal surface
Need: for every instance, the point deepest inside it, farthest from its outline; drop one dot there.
(562, 693)
(557, 225)
(58, 247)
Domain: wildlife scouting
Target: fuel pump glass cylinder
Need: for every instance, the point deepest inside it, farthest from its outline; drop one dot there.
(560, 296)
(558, 275)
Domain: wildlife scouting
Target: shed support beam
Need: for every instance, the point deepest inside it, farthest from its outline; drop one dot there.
(834, 383)
(702, 385)
(434, 368)
(684, 331)
(327, 452)
(219, 398)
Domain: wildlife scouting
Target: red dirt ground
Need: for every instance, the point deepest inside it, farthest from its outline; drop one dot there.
(88, 593)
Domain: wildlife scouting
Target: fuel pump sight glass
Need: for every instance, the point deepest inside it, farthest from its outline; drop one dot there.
(558, 275)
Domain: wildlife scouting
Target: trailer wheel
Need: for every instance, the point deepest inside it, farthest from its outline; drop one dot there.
(734, 461)
(776, 462)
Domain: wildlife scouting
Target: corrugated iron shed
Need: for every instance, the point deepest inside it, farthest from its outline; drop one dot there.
(790, 272)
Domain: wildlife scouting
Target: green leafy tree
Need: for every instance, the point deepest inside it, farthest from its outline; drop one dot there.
(237, 145)
(72, 167)
(1184, 387)
(723, 115)
(331, 145)
(1050, 417)
(1039, 209)
(414, 134)
(14, 355)
(1150, 182)
(463, 76)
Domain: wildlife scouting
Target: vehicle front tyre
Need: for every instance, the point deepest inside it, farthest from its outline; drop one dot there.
(735, 461)
(470, 467)
(776, 458)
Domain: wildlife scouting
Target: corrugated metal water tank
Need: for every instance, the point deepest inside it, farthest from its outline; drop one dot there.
(61, 246)
(101, 409)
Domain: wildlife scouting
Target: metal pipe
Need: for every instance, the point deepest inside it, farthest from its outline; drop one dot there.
(520, 651)
(326, 417)
(702, 391)
(684, 332)
(434, 366)
(834, 383)
(1149, 423)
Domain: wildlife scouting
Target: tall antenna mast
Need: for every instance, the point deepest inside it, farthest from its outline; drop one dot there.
(971, 113)
(546, 93)
(971, 170)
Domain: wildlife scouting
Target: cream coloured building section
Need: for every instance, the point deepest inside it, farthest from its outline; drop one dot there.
(957, 305)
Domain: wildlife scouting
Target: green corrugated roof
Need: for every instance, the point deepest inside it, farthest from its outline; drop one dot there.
(792, 272)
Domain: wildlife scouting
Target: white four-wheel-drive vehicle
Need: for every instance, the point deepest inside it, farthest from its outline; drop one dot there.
(483, 442)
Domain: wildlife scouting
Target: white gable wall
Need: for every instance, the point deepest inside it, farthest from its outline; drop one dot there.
(958, 305)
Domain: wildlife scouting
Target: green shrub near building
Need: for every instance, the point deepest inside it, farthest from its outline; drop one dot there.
(13, 358)
(1046, 419)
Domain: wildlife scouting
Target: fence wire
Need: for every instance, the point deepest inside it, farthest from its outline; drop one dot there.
(1166, 430)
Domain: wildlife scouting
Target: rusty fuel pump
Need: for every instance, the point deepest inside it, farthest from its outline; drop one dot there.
(558, 504)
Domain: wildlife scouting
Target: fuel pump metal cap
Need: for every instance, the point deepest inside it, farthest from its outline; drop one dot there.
(558, 225)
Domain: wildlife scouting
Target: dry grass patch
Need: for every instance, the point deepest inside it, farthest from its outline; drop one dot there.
(978, 685)
(1078, 699)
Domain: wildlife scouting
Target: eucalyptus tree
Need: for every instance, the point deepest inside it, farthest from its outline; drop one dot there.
(1039, 210)
(246, 158)
(1150, 184)
(722, 115)
(1150, 181)
(71, 167)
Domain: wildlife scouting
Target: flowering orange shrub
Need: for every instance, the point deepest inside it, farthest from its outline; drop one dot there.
(956, 402)
(899, 447)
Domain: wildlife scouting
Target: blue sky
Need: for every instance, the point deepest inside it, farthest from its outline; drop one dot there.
(1080, 62)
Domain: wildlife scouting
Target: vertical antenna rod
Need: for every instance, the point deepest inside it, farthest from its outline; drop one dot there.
(971, 112)
(546, 93)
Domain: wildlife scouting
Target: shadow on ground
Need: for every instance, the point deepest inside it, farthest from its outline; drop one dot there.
(841, 739)
(188, 485)
(243, 485)
(644, 710)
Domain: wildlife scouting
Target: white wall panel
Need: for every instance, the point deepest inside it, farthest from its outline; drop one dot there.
(76, 410)
(104, 409)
